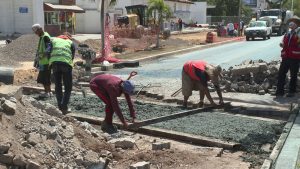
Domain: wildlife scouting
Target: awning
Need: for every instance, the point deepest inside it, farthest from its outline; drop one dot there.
(67, 8)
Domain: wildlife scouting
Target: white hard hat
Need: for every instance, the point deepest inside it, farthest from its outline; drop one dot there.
(36, 27)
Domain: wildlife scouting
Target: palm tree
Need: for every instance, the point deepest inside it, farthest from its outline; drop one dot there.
(164, 12)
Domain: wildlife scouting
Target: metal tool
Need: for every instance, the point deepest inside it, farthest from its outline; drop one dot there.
(82, 90)
(177, 92)
(136, 125)
(133, 73)
(138, 93)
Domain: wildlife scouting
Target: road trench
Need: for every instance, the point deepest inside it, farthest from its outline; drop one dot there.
(259, 133)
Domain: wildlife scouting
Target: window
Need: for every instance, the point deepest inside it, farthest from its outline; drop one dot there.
(51, 18)
(252, 3)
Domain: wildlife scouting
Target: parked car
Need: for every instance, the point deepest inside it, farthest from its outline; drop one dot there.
(258, 28)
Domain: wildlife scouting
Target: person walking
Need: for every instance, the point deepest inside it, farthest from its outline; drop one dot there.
(108, 87)
(195, 75)
(41, 61)
(290, 55)
(61, 61)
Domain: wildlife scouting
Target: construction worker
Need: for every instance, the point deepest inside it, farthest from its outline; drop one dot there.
(195, 75)
(108, 88)
(61, 61)
(41, 61)
(290, 55)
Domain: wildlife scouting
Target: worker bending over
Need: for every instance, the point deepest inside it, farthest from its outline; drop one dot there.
(108, 88)
(195, 75)
(61, 61)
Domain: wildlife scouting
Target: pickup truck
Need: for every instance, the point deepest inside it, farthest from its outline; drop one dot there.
(260, 29)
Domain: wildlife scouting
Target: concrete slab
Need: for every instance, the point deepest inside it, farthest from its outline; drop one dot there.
(289, 153)
(8, 91)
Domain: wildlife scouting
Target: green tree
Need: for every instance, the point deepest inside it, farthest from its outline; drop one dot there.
(296, 6)
(158, 9)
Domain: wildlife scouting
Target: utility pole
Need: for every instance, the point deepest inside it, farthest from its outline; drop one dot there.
(239, 17)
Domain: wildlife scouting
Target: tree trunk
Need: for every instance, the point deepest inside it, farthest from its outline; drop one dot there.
(102, 26)
(158, 30)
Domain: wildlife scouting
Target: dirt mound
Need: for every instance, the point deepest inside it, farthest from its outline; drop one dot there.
(21, 49)
(34, 137)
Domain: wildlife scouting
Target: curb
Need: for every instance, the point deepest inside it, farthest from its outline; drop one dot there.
(270, 162)
(188, 50)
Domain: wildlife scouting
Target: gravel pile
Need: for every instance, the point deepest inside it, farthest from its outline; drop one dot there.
(20, 50)
(92, 105)
(251, 133)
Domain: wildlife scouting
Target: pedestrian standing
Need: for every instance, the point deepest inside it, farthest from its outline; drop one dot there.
(241, 26)
(195, 75)
(41, 61)
(108, 88)
(61, 61)
(290, 55)
(180, 24)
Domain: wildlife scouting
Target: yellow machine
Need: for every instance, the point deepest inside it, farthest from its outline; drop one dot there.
(130, 20)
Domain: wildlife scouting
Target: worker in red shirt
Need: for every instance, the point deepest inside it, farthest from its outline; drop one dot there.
(290, 55)
(195, 75)
(108, 88)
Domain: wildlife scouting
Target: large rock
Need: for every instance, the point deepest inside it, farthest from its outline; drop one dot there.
(6, 159)
(67, 133)
(19, 160)
(140, 165)
(246, 69)
(161, 145)
(92, 159)
(33, 138)
(125, 143)
(33, 165)
(4, 147)
(8, 91)
(9, 107)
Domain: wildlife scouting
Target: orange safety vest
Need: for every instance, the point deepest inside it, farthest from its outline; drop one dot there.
(291, 47)
(189, 66)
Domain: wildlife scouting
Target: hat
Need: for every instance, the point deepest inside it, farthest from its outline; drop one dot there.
(36, 27)
(128, 87)
(295, 19)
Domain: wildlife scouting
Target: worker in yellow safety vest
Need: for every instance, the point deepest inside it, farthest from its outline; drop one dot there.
(61, 61)
(41, 61)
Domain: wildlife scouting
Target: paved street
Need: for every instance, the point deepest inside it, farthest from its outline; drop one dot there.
(226, 55)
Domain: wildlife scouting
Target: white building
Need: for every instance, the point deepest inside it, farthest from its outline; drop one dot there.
(89, 22)
(199, 12)
(256, 5)
(56, 16)
(17, 16)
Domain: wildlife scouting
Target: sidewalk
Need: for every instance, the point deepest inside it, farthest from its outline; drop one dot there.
(289, 155)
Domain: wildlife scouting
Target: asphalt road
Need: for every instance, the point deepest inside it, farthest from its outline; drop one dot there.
(226, 55)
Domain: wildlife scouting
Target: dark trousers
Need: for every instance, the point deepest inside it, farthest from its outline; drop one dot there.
(63, 75)
(109, 111)
(286, 65)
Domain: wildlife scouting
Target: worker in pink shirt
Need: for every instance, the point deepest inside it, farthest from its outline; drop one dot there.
(108, 88)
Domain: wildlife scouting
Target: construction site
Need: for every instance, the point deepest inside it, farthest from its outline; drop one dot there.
(248, 132)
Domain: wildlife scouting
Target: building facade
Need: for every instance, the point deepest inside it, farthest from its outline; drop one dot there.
(56, 16)
(256, 5)
(89, 22)
(17, 16)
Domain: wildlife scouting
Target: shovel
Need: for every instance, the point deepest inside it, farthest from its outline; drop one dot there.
(133, 73)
